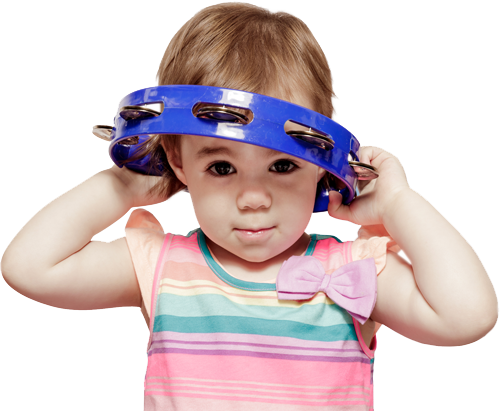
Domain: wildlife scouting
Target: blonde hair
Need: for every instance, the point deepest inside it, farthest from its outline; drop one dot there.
(244, 47)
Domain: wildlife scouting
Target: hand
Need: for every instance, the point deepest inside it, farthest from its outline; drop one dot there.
(376, 197)
(137, 187)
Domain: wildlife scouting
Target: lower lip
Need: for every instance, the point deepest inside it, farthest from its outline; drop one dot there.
(257, 236)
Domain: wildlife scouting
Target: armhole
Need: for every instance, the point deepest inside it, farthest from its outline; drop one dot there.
(369, 351)
(159, 264)
(348, 259)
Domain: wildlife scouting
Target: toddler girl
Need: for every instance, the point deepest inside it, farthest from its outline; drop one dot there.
(228, 329)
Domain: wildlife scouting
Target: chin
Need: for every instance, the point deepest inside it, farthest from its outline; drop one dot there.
(259, 257)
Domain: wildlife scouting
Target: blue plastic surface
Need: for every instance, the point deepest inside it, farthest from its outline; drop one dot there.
(266, 129)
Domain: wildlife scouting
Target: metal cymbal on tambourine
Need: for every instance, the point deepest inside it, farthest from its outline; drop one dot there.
(364, 171)
(224, 114)
(103, 132)
(313, 138)
(137, 113)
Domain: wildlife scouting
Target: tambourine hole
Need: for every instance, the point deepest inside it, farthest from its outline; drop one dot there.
(222, 113)
(332, 182)
(308, 134)
(130, 141)
(141, 112)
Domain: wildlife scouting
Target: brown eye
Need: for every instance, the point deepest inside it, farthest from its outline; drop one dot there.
(222, 169)
(283, 166)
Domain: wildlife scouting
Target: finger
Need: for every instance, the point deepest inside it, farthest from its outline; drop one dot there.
(335, 207)
(370, 155)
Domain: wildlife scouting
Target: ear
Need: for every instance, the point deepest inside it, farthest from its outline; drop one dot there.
(175, 162)
(321, 174)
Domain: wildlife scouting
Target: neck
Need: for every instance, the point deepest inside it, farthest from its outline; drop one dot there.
(256, 271)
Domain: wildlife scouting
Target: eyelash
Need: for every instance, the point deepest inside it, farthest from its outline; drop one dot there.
(210, 168)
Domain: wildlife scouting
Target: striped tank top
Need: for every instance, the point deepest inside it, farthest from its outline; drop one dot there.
(218, 343)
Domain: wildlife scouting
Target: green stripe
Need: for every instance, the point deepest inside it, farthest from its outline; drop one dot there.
(212, 304)
(242, 325)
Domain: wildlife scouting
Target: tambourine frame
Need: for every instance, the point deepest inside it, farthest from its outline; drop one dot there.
(266, 129)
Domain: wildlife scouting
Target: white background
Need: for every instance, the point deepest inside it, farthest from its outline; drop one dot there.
(419, 79)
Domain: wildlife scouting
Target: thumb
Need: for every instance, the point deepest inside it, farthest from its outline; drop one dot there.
(335, 207)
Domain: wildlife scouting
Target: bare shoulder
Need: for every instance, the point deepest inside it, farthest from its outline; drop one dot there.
(100, 275)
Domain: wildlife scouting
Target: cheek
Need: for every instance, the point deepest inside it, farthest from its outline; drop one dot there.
(301, 193)
(210, 205)
(296, 202)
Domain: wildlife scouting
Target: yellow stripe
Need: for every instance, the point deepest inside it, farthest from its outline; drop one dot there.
(320, 298)
(193, 283)
(360, 392)
(209, 380)
(253, 396)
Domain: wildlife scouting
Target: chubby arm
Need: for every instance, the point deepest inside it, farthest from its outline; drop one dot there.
(444, 297)
(53, 260)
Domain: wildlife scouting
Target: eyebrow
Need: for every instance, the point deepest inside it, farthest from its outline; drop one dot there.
(220, 150)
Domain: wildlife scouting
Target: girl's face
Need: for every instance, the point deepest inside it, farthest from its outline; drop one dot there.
(252, 201)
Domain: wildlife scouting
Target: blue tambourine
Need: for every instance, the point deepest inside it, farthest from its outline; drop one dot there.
(239, 116)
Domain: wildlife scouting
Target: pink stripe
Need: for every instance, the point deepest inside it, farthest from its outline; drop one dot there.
(292, 394)
(186, 244)
(161, 402)
(324, 256)
(257, 339)
(235, 345)
(231, 386)
(270, 354)
(330, 253)
(251, 369)
(181, 241)
(191, 272)
(261, 400)
(185, 256)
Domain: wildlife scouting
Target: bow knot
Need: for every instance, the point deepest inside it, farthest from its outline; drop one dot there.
(325, 283)
(353, 286)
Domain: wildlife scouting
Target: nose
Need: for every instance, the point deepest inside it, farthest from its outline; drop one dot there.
(253, 197)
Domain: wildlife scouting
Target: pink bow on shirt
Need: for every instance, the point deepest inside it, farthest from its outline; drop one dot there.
(353, 286)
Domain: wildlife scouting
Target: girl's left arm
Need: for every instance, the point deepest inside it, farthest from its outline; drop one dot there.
(445, 296)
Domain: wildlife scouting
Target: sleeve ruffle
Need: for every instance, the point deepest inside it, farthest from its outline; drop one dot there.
(373, 242)
(145, 237)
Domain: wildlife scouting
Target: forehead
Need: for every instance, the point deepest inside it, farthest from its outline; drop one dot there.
(201, 147)
(295, 95)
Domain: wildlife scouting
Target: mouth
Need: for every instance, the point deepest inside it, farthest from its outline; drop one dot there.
(254, 234)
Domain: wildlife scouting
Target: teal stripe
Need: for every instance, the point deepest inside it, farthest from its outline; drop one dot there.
(192, 232)
(323, 315)
(312, 245)
(324, 236)
(242, 325)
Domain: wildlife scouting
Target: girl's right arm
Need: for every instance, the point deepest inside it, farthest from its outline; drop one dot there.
(53, 260)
